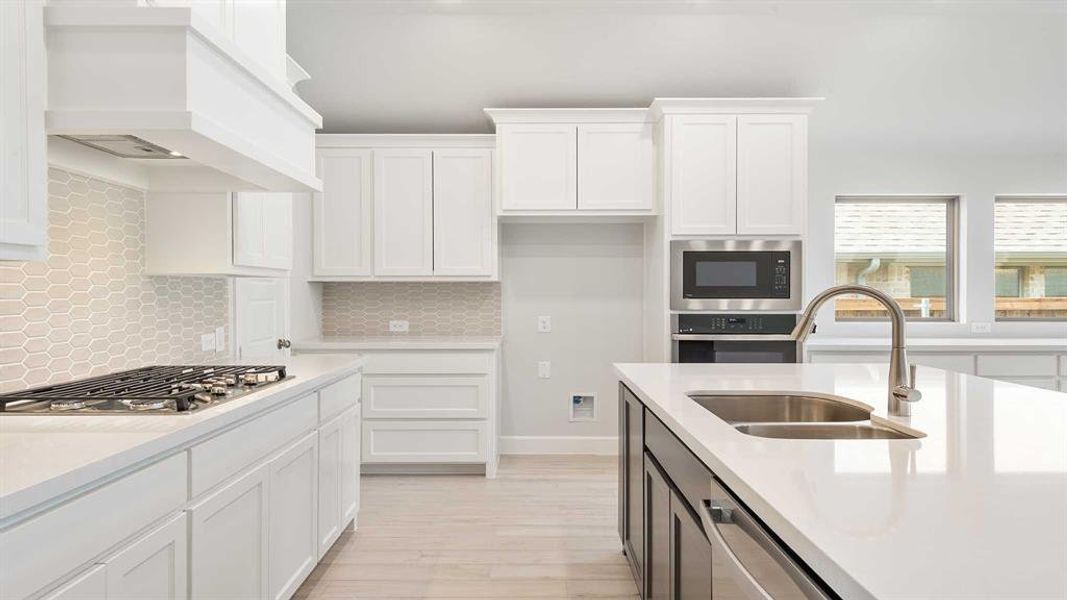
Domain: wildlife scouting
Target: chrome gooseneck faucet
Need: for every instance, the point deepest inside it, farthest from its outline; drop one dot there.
(902, 391)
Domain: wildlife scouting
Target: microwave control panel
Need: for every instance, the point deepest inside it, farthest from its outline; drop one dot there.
(736, 323)
(780, 283)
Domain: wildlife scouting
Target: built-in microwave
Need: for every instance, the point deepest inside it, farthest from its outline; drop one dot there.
(710, 275)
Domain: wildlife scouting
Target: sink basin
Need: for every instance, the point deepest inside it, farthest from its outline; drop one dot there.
(775, 408)
(823, 431)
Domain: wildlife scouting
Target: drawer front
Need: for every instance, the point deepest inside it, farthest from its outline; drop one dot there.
(683, 468)
(425, 441)
(849, 357)
(1015, 365)
(961, 363)
(223, 456)
(426, 397)
(455, 362)
(336, 397)
(82, 529)
(1047, 383)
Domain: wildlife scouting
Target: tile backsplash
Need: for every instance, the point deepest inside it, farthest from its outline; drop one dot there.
(365, 309)
(90, 309)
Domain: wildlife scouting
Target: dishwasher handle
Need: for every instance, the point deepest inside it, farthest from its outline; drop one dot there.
(724, 511)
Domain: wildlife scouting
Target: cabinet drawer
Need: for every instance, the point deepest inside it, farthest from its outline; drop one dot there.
(395, 363)
(1013, 365)
(426, 397)
(336, 397)
(425, 441)
(221, 457)
(683, 468)
(74, 540)
(961, 363)
(1047, 383)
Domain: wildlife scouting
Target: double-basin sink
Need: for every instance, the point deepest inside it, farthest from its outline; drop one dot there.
(795, 416)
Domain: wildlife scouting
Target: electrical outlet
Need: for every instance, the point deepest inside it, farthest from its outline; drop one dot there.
(544, 369)
(220, 339)
(981, 327)
(398, 326)
(544, 324)
(207, 342)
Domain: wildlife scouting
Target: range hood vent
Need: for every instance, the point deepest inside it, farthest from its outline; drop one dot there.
(125, 146)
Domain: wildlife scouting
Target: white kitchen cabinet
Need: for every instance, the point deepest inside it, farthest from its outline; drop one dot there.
(351, 432)
(222, 233)
(293, 507)
(701, 174)
(23, 148)
(403, 212)
(343, 213)
(538, 164)
(154, 567)
(463, 212)
(417, 441)
(615, 166)
(338, 471)
(425, 396)
(772, 174)
(90, 585)
(229, 534)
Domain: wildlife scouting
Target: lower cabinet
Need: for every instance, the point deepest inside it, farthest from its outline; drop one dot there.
(339, 441)
(154, 567)
(292, 507)
(90, 585)
(229, 532)
(631, 479)
(657, 580)
(690, 553)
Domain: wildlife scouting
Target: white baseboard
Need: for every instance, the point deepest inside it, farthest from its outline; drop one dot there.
(533, 444)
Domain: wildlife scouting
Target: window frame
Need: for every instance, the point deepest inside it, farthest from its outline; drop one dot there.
(1018, 199)
(952, 249)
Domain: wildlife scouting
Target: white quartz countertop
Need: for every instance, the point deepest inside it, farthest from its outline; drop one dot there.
(397, 342)
(918, 344)
(975, 509)
(47, 457)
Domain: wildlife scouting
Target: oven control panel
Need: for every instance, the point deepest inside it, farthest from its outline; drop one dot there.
(755, 324)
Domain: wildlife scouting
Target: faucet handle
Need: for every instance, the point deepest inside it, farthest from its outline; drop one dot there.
(907, 393)
(911, 374)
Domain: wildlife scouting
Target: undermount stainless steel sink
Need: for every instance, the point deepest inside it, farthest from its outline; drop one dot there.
(823, 431)
(775, 408)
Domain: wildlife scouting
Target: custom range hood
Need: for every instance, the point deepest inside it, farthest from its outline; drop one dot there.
(147, 84)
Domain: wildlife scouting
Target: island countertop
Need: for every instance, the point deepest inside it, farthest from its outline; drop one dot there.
(975, 509)
(46, 457)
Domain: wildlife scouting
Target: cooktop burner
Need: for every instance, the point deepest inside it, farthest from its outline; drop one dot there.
(148, 390)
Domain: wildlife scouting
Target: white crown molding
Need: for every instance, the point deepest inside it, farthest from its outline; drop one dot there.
(667, 106)
(404, 140)
(567, 115)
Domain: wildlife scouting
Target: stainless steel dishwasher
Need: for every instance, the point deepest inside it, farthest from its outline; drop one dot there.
(747, 562)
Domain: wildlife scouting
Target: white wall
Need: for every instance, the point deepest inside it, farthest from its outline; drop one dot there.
(588, 278)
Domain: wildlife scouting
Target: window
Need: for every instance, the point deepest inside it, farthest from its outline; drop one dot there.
(904, 246)
(1030, 243)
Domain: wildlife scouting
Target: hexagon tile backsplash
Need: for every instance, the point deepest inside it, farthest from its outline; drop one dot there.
(90, 309)
(358, 309)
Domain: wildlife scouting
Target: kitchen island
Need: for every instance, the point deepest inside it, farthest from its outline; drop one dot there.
(240, 499)
(976, 506)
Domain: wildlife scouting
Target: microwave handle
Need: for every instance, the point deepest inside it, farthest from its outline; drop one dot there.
(711, 515)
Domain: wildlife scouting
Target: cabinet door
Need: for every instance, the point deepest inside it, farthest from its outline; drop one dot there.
(538, 167)
(690, 554)
(293, 505)
(154, 567)
(331, 457)
(349, 464)
(403, 212)
(631, 470)
(657, 574)
(615, 166)
(90, 585)
(263, 231)
(772, 174)
(462, 212)
(229, 541)
(23, 193)
(702, 174)
(343, 219)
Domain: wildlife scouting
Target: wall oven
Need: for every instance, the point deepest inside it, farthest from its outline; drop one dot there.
(733, 338)
(735, 275)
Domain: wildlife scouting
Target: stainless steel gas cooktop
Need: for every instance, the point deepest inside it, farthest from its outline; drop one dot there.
(149, 390)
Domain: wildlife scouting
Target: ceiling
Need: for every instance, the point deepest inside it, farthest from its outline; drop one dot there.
(987, 77)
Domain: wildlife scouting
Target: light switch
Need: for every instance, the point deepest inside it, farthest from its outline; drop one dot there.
(398, 326)
(220, 339)
(207, 342)
(544, 369)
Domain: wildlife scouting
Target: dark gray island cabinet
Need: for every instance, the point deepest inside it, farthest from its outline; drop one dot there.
(685, 535)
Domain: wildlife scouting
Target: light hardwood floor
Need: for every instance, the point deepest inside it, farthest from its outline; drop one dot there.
(544, 528)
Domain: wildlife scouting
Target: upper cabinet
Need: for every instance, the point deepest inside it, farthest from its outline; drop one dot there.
(239, 233)
(563, 162)
(405, 208)
(734, 166)
(23, 153)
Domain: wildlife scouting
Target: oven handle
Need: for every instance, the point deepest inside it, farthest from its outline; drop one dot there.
(725, 511)
(739, 337)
